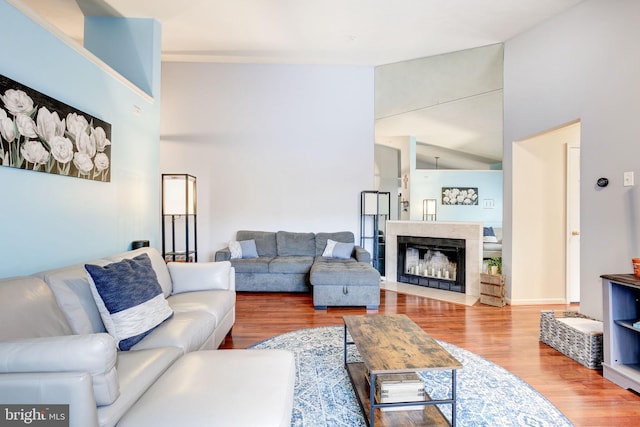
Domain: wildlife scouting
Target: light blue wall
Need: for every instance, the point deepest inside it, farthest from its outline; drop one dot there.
(428, 184)
(136, 53)
(49, 220)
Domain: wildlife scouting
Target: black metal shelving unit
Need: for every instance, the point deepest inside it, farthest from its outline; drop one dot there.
(375, 208)
(179, 218)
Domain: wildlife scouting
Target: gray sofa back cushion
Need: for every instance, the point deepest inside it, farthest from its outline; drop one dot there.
(340, 236)
(292, 244)
(265, 241)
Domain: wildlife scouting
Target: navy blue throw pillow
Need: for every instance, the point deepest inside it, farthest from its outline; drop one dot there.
(129, 298)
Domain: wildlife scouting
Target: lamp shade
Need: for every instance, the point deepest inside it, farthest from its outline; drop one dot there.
(429, 209)
(178, 194)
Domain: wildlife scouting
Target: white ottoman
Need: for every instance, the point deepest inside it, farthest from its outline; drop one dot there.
(220, 388)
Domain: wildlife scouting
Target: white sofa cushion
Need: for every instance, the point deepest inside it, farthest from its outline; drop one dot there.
(201, 276)
(29, 310)
(94, 353)
(225, 388)
(70, 285)
(129, 298)
(217, 303)
(137, 370)
(186, 331)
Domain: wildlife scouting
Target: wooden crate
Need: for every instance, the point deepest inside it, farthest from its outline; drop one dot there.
(492, 289)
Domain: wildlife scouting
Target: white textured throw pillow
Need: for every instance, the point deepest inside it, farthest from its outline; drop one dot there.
(236, 249)
(328, 250)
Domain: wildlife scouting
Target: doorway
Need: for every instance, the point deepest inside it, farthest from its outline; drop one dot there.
(545, 232)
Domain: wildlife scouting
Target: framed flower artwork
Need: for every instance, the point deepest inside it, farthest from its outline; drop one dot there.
(42, 134)
(463, 196)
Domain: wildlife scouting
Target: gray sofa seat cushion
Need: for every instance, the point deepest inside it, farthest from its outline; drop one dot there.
(331, 271)
(252, 265)
(291, 264)
(265, 241)
(340, 236)
(291, 244)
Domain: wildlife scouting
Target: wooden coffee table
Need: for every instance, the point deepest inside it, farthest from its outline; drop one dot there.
(394, 344)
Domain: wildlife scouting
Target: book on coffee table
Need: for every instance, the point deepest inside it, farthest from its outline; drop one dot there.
(394, 388)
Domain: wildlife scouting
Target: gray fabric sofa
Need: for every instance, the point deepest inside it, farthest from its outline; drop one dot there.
(54, 349)
(294, 262)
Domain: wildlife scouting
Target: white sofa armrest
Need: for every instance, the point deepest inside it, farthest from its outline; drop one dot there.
(94, 354)
(201, 276)
(72, 388)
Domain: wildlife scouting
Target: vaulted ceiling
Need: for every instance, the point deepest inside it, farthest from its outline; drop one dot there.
(339, 32)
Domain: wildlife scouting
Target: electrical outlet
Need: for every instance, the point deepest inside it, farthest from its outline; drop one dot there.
(627, 180)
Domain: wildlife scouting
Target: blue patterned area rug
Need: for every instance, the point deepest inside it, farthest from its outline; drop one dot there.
(488, 395)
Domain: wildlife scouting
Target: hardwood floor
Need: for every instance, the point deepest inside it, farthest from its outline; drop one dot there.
(507, 336)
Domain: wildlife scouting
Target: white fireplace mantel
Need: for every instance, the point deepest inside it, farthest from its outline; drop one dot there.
(471, 232)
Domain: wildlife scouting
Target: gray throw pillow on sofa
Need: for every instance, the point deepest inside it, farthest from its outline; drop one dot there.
(249, 249)
(343, 250)
(243, 249)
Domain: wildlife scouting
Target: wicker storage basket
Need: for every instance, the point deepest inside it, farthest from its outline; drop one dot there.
(584, 345)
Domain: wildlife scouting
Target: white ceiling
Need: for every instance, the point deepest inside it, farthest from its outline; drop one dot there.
(336, 32)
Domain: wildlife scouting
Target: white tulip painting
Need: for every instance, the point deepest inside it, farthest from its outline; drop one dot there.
(464, 196)
(41, 134)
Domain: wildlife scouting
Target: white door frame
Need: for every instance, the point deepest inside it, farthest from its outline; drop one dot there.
(573, 223)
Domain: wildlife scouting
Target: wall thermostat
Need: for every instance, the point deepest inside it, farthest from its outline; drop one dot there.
(602, 182)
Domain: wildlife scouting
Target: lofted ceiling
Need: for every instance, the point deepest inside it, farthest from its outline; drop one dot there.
(335, 32)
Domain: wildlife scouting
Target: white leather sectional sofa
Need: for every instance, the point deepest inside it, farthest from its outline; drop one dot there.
(55, 349)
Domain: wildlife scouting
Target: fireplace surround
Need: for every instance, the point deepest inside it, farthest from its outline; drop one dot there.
(470, 232)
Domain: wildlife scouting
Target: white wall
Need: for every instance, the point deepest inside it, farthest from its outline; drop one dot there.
(51, 220)
(582, 65)
(273, 147)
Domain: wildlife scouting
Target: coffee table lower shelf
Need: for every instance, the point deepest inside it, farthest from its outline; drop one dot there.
(430, 415)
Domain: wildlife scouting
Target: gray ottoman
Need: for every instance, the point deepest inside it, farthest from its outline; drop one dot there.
(338, 282)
